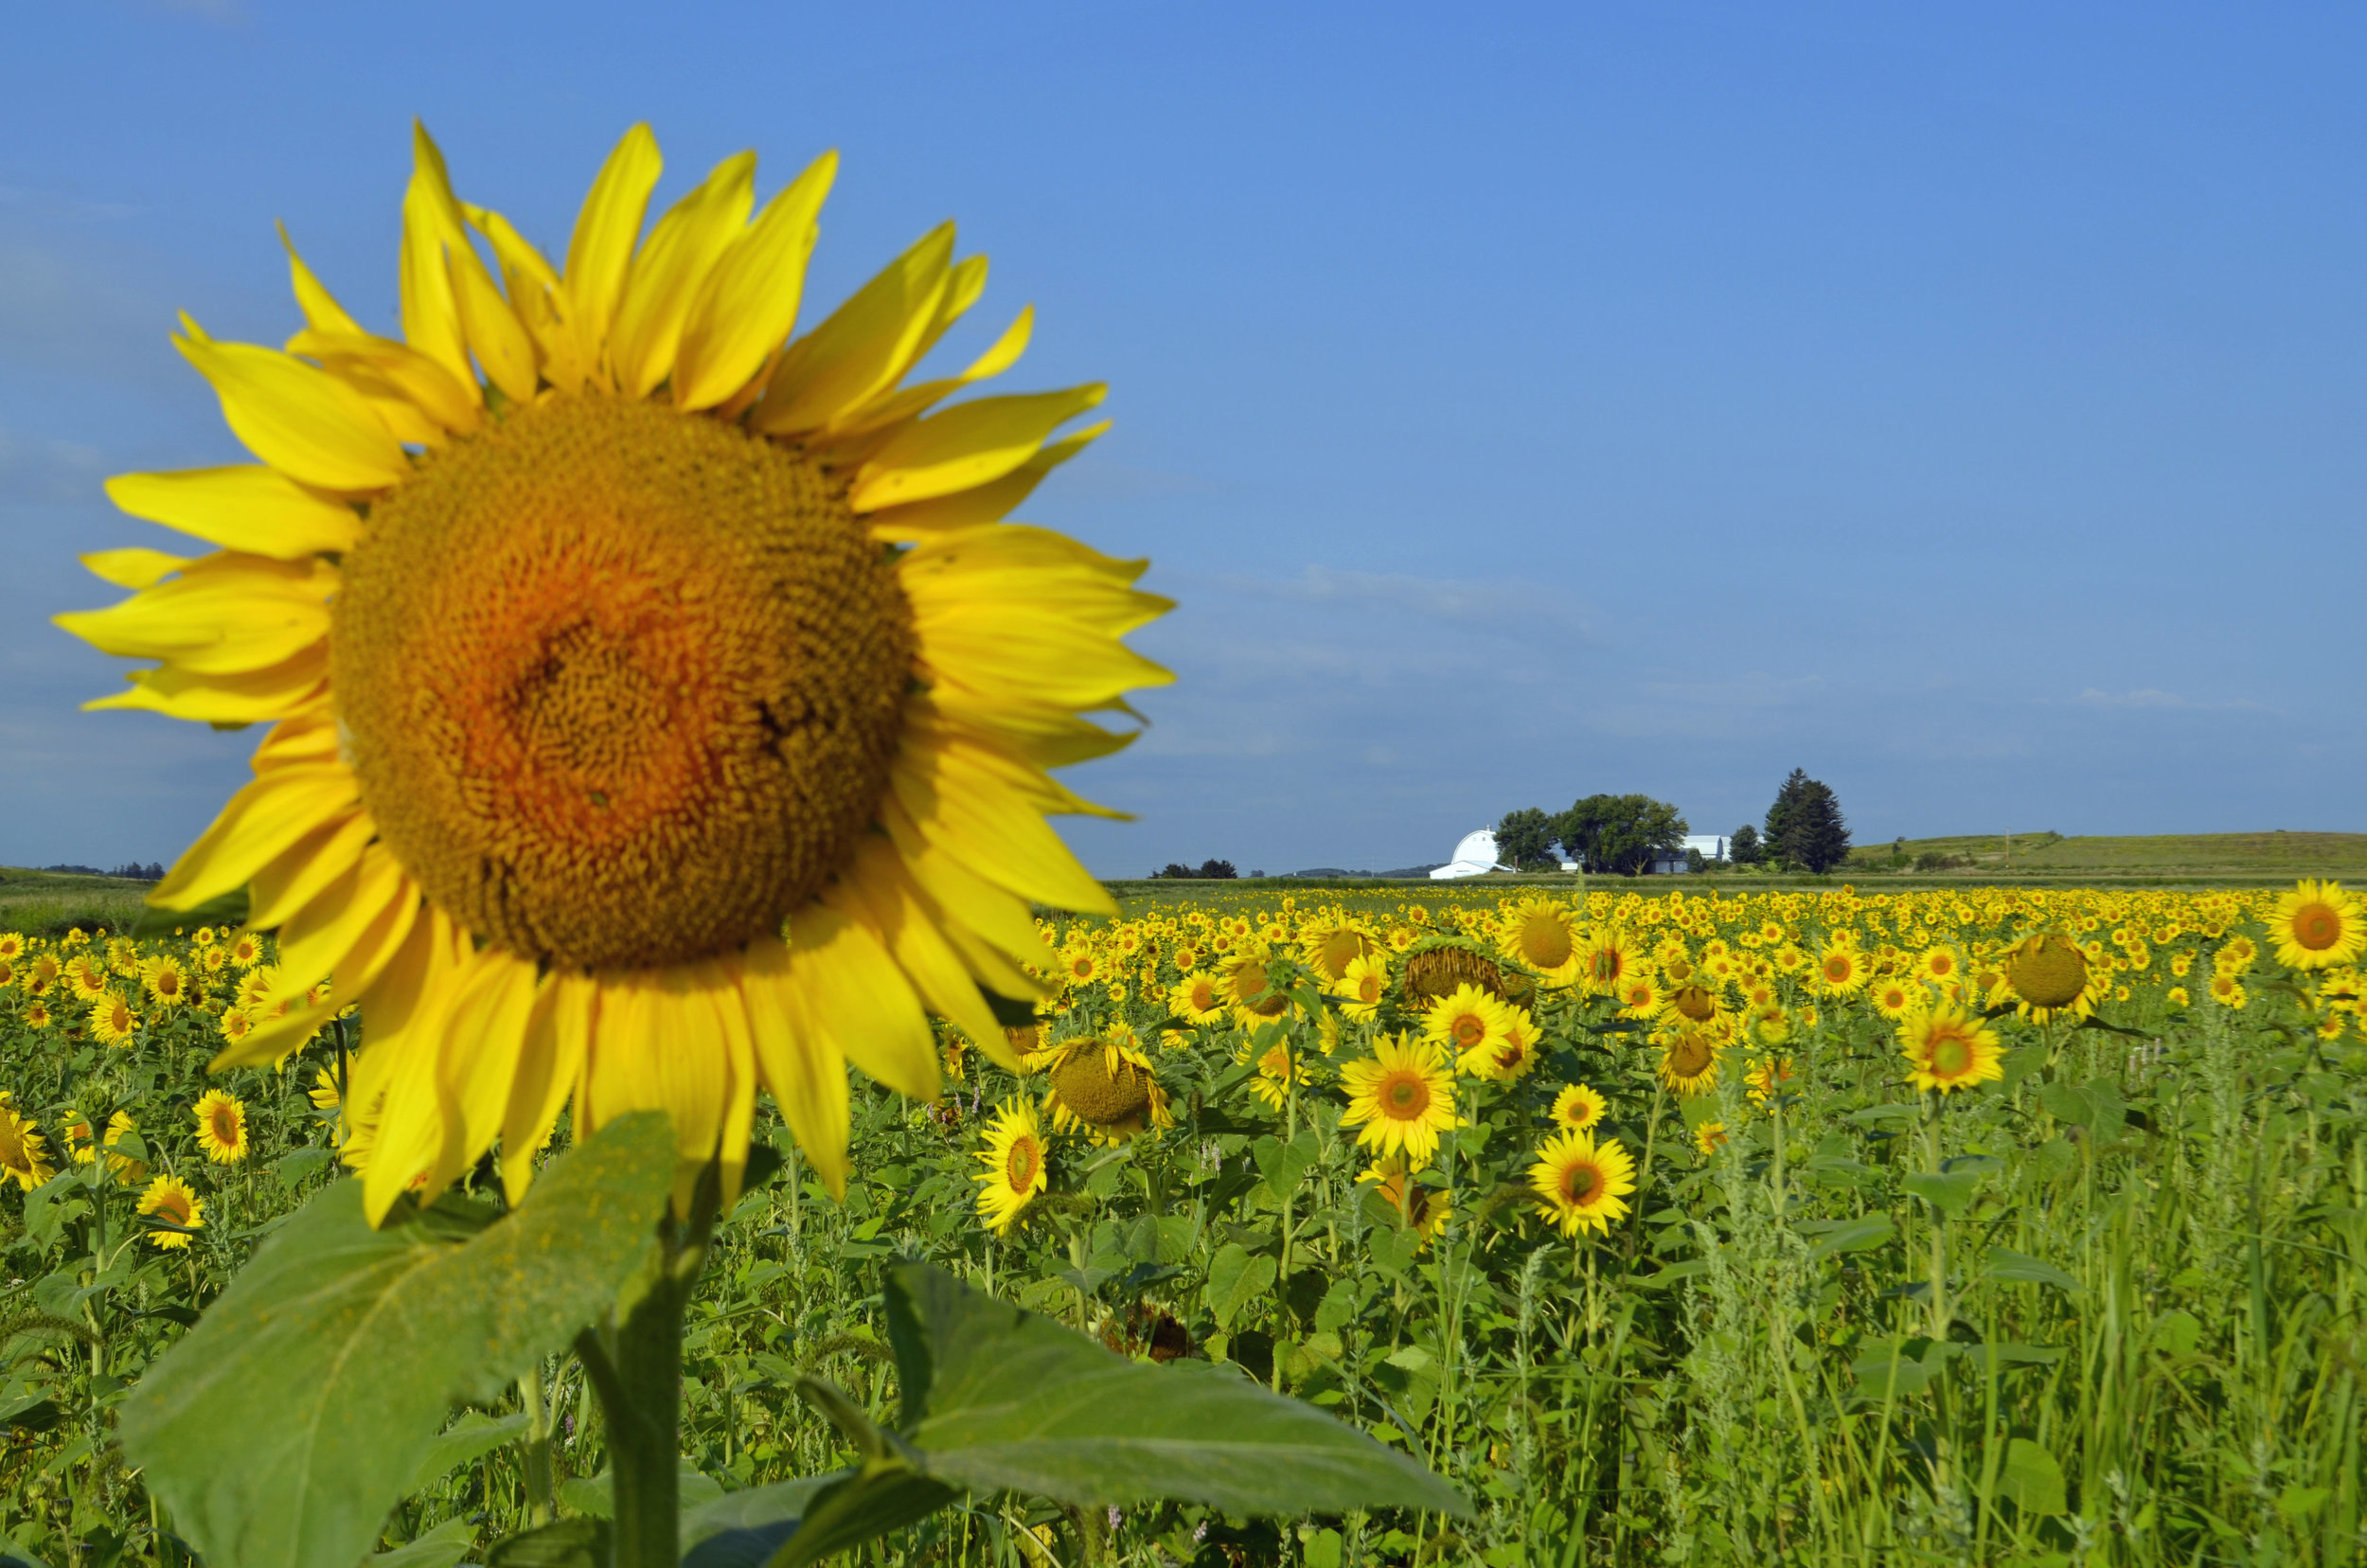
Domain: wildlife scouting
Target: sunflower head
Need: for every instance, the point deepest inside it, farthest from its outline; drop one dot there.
(2047, 972)
(1947, 1049)
(1580, 1184)
(653, 685)
(1436, 966)
(1108, 1087)
(173, 1203)
(2318, 926)
(1688, 1061)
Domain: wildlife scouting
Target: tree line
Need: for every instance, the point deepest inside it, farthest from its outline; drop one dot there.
(1623, 834)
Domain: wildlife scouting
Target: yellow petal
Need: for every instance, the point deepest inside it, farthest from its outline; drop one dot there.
(500, 340)
(802, 1065)
(658, 1043)
(223, 613)
(276, 891)
(546, 1075)
(246, 696)
(477, 1067)
(865, 346)
(973, 804)
(256, 509)
(432, 224)
(395, 369)
(258, 825)
(600, 257)
(877, 891)
(748, 301)
(989, 503)
(319, 306)
(671, 268)
(377, 894)
(972, 444)
(299, 418)
(854, 992)
(535, 295)
(132, 568)
(912, 402)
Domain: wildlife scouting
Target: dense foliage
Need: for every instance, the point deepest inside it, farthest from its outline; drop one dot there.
(2104, 1304)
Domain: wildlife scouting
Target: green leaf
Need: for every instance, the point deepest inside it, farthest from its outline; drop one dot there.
(1951, 1194)
(229, 909)
(1901, 1369)
(473, 1436)
(562, 1543)
(1235, 1279)
(2301, 1502)
(2032, 1480)
(1854, 1235)
(996, 1398)
(2067, 1104)
(1284, 1165)
(849, 1511)
(2019, 1269)
(356, 1342)
(2177, 1334)
(299, 1162)
(743, 1529)
(439, 1548)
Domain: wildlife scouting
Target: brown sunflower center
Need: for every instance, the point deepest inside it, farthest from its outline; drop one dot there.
(1695, 1003)
(1339, 950)
(1406, 1097)
(622, 686)
(1950, 1056)
(1470, 1029)
(2317, 927)
(1578, 1183)
(1018, 1166)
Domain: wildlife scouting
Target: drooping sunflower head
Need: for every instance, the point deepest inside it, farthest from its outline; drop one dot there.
(1250, 987)
(1693, 1004)
(2318, 926)
(648, 681)
(1435, 966)
(1106, 1089)
(1580, 1184)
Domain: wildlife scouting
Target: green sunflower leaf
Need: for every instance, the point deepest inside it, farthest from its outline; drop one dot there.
(999, 1399)
(336, 1354)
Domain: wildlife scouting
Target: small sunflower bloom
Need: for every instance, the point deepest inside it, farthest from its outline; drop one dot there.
(1580, 1184)
(221, 1126)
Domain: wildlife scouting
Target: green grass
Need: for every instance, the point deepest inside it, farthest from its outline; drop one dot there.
(2250, 854)
(48, 902)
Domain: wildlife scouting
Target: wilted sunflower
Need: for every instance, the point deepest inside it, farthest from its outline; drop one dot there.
(1581, 1184)
(1014, 1159)
(660, 707)
(2318, 926)
(1693, 1004)
(1104, 1088)
(221, 1126)
(1435, 966)
(1947, 1049)
(24, 1153)
(1402, 1096)
(175, 1203)
(1688, 1059)
(1578, 1108)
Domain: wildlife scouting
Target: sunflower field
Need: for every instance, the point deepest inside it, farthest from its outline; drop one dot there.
(1972, 1225)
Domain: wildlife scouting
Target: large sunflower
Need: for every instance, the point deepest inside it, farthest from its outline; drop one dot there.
(660, 707)
(2318, 926)
(1402, 1096)
(1581, 1184)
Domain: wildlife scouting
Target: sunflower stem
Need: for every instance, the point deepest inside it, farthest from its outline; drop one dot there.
(634, 1366)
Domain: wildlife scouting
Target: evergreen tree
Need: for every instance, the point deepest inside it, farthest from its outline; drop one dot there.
(1742, 846)
(1805, 826)
(1526, 838)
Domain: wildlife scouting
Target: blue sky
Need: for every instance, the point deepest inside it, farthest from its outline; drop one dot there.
(1968, 404)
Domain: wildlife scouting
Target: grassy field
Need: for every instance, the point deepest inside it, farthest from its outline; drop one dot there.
(2272, 855)
(49, 902)
(2109, 1306)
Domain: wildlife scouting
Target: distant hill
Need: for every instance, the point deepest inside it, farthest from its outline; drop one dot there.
(2298, 854)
